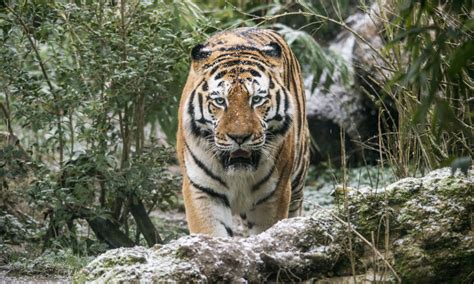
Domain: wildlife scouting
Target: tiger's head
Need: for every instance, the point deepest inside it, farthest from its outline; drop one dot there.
(240, 104)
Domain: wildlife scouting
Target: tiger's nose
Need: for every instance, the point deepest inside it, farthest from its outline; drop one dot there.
(239, 138)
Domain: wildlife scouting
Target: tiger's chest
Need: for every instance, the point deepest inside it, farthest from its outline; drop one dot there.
(242, 188)
(246, 188)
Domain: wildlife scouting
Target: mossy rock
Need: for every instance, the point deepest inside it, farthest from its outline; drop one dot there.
(431, 230)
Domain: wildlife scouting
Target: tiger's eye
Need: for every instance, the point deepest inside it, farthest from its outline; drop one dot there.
(220, 101)
(256, 99)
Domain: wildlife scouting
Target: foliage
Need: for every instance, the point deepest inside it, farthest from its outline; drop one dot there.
(84, 86)
(317, 60)
(431, 50)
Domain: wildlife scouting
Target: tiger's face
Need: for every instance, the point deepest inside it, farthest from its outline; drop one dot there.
(238, 108)
(242, 108)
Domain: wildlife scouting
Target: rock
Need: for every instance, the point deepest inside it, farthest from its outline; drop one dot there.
(294, 249)
(431, 229)
(335, 102)
(431, 240)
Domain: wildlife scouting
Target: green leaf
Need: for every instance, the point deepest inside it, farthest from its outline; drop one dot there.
(461, 58)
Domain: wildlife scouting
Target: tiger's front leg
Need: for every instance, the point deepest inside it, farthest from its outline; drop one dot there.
(207, 211)
(269, 210)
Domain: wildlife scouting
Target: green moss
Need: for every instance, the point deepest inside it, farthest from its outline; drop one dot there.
(413, 265)
(123, 260)
(183, 252)
(401, 194)
(79, 278)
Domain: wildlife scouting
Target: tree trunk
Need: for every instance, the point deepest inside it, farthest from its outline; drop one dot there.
(144, 224)
(109, 232)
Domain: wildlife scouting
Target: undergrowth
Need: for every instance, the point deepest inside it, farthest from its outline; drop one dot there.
(63, 262)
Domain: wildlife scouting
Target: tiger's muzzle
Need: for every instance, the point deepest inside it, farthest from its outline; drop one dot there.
(240, 151)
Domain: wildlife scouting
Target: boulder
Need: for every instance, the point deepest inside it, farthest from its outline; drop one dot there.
(430, 224)
(430, 240)
(291, 250)
(345, 99)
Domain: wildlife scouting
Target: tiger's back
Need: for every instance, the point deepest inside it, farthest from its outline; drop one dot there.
(242, 138)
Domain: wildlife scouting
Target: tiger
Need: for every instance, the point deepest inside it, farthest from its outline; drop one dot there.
(242, 140)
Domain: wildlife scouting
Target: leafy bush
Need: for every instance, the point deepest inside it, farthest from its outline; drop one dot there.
(85, 86)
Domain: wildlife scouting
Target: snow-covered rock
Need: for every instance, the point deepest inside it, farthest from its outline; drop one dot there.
(430, 238)
(298, 247)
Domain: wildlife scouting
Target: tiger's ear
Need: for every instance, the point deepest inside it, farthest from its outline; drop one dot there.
(273, 49)
(200, 52)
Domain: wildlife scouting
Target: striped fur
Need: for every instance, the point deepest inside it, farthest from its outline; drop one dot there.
(242, 140)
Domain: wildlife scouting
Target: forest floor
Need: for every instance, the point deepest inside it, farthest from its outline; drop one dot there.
(172, 225)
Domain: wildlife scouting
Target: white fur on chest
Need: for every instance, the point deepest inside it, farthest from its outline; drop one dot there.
(240, 187)
(239, 183)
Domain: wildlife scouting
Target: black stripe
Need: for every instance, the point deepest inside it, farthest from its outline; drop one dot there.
(220, 75)
(297, 179)
(268, 196)
(233, 62)
(202, 119)
(260, 67)
(287, 72)
(255, 73)
(233, 55)
(277, 115)
(250, 224)
(271, 85)
(287, 120)
(294, 210)
(229, 230)
(190, 105)
(278, 99)
(240, 47)
(204, 168)
(214, 70)
(282, 129)
(287, 101)
(194, 128)
(264, 180)
(293, 79)
(201, 109)
(219, 196)
(297, 191)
